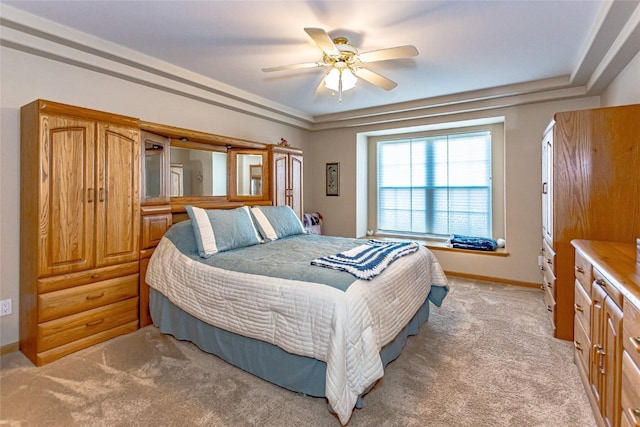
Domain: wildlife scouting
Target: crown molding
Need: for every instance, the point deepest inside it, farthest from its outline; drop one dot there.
(40, 37)
(613, 42)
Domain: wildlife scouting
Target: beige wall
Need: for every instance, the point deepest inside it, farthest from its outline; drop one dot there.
(25, 77)
(524, 126)
(625, 89)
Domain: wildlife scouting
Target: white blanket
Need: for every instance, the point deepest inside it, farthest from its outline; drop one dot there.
(344, 329)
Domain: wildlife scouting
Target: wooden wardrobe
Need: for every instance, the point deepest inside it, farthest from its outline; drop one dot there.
(590, 190)
(286, 181)
(79, 228)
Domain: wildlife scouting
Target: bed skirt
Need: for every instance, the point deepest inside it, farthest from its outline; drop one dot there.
(296, 373)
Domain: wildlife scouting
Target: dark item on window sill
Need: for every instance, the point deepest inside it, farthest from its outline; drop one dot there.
(473, 243)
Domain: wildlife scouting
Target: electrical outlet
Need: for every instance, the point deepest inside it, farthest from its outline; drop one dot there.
(5, 307)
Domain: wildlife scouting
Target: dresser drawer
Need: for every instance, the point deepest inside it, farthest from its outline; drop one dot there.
(550, 304)
(630, 396)
(582, 343)
(58, 352)
(64, 281)
(80, 325)
(549, 280)
(612, 291)
(583, 272)
(582, 305)
(549, 255)
(153, 228)
(54, 305)
(631, 331)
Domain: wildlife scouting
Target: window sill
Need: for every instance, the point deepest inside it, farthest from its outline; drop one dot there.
(444, 246)
(438, 246)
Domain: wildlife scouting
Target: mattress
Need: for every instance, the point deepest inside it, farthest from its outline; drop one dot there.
(271, 293)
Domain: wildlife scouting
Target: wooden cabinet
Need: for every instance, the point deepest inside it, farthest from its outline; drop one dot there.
(630, 396)
(79, 228)
(606, 332)
(156, 220)
(590, 190)
(607, 329)
(286, 177)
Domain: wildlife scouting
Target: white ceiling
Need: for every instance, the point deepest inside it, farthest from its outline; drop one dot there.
(463, 45)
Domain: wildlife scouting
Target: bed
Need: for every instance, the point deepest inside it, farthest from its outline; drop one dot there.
(242, 284)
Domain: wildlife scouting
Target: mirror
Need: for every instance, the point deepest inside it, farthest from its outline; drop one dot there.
(249, 174)
(154, 168)
(197, 172)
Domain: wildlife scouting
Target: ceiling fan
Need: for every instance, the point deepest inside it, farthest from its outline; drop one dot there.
(346, 64)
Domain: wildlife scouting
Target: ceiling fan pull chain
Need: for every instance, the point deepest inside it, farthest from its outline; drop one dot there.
(340, 87)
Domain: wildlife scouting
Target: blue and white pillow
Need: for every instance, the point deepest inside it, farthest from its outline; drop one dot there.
(219, 230)
(276, 222)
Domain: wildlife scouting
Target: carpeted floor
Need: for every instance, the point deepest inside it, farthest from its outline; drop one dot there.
(485, 358)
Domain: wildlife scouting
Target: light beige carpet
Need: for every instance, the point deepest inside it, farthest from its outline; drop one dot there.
(486, 358)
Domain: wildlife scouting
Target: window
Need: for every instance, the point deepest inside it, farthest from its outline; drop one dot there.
(435, 185)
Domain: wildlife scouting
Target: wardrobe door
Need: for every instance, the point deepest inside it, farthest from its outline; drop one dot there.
(295, 184)
(67, 195)
(118, 199)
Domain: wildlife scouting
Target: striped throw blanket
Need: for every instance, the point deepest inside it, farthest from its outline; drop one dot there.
(369, 260)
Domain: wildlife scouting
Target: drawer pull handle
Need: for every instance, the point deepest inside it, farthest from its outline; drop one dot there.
(542, 268)
(90, 297)
(577, 345)
(578, 307)
(601, 283)
(94, 322)
(549, 308)
(549, 261)
(579, 269)
(550, 285)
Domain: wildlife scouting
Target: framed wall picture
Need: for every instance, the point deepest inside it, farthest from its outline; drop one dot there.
(333, 179)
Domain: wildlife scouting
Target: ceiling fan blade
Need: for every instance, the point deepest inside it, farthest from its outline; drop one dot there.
(374, 78)
(391, 53)
(294, 66)
(323, 41)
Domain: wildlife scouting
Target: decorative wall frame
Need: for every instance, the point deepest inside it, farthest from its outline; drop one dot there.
(333, 179)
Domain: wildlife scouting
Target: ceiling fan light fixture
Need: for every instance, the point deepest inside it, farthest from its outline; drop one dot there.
(340, 80)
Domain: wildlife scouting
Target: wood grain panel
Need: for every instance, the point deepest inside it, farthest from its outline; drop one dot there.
(153, 228)
(612, 362)
(631, 330)
(64, 281)
(76, 326)
(595, 189)
(66, 220)
(118, 199)
(630, 397)
(58, 352)
(57, 304)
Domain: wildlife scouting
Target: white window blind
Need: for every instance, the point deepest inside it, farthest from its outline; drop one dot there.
(436, 185)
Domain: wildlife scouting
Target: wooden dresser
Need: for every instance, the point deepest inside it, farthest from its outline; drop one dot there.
(607, 329)
(590, 190)
(79, 228)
